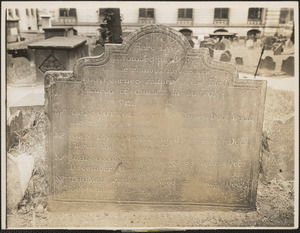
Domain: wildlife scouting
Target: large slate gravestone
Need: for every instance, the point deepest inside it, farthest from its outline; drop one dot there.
(155, 124)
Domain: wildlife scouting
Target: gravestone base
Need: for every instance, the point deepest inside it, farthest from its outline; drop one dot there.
(67, 207)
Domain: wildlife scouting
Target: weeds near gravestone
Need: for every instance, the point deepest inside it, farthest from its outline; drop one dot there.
(28, 136)
(31, 140)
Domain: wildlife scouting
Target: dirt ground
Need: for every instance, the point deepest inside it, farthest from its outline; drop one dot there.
(275, 202)
(275, 198)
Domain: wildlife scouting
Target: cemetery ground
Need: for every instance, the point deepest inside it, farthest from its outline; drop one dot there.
(275, 196)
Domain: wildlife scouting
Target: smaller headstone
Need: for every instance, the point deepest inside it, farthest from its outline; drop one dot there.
(249, 44)
(192, 43)
(289, 43)
(196, 43)
(220, 46)
(278, 49)
(267, 63)
(227, 43)
(235, 40)
(211, 52)
(226, 56)
(98, 50)
(239, 61)
(288, 65)
(257, 43)
(202, 43)
(268, 42)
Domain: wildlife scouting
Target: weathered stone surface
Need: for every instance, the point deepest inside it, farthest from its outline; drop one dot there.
(279, 162)
(153, 123)
(288, 65)
(267, 63)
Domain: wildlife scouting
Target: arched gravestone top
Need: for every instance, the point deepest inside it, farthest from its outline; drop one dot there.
(153, 123)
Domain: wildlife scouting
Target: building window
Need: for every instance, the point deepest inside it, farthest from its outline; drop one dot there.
(286, 15)
(67, 12)
(27, 12)
(10, 13)
(146, 13)
(221, 13)
(32, 12)
(17, 13)
(255, 13)
(185, 13)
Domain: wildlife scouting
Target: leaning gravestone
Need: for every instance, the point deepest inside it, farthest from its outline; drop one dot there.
(278, 49)
(153, 124)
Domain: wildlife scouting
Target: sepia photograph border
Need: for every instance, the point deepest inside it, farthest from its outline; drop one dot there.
(46, 4)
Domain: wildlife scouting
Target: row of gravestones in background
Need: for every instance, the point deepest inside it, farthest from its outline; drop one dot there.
(287, 65)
